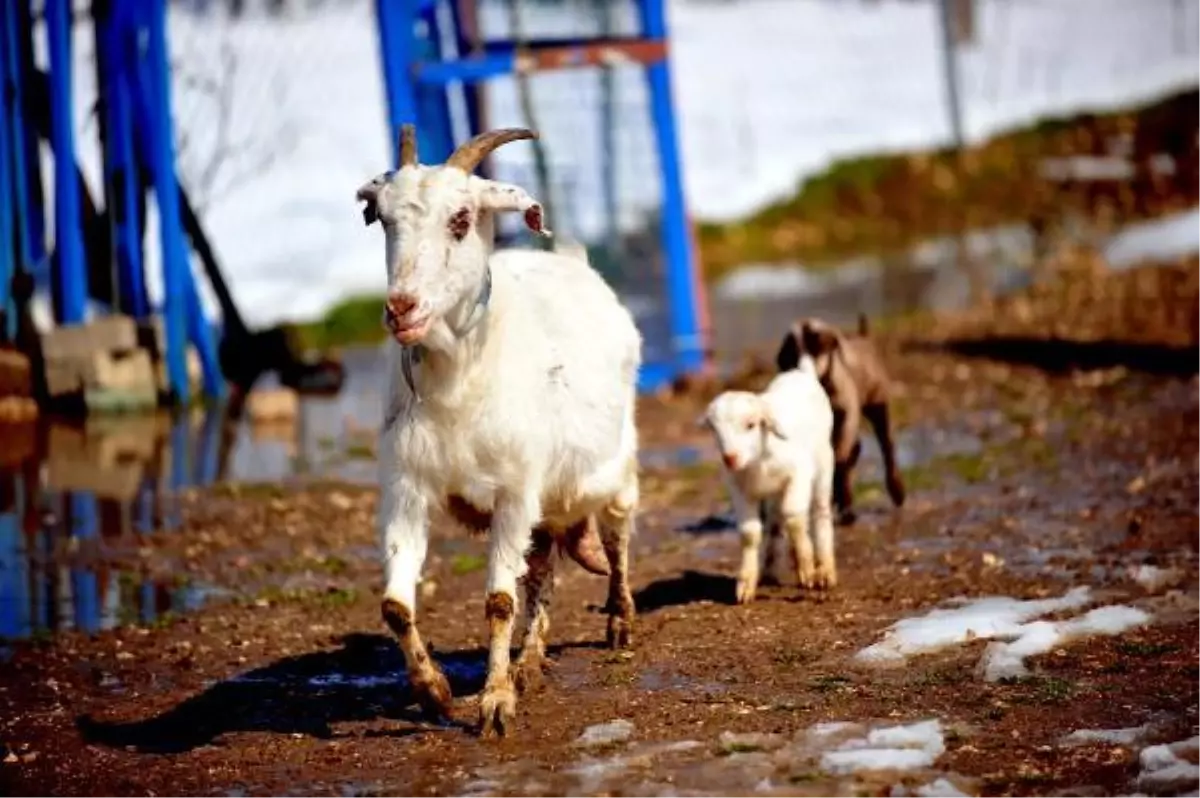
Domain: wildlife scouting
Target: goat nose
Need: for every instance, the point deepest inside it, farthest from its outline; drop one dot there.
(730, 460)
(401, 304)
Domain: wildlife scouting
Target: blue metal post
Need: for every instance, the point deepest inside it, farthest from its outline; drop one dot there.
(179, 306)
(71, 277)
(7, 205)
(433, 102)
(29, 170)
(397, 41)
(687, 340)
(116, 38)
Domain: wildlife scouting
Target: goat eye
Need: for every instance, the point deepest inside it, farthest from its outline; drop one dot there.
(751, 425)
(459, 224)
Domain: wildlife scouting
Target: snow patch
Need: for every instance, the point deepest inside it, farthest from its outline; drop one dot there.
(1128, 736)
(909, 747)
(1153, 578)
(989, 617)
(615, 731)
(940, 787)
(1009, 621)
(1170, 769)
(1006, 660)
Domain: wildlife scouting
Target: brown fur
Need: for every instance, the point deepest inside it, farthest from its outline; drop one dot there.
(852, 373)
(580, 542)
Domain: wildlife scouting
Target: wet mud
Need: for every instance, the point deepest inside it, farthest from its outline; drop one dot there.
(1023, 483)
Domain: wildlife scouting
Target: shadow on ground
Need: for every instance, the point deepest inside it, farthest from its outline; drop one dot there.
(1059, 355)
(363, 680)
(688, 588)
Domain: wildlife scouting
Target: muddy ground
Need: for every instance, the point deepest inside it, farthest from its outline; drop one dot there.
(1023, 482)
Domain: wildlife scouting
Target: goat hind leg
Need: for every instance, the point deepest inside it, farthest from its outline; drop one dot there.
(879, 417)
(539, 587)
(616, 528)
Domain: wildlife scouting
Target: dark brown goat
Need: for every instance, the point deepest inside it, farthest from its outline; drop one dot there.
(852, 373)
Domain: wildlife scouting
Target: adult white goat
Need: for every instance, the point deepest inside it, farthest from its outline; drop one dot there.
(511, 407)
(775, 450)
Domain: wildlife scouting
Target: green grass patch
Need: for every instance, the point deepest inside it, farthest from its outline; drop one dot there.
(1137, 648)
(883, 204)
(461, 564)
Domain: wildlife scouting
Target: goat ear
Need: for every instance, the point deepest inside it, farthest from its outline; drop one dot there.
(504, 197)
(772, 422)
(788, 356)
(819, 339)
(370, 193)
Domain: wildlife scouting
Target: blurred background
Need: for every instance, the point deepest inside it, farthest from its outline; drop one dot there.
(754, 161)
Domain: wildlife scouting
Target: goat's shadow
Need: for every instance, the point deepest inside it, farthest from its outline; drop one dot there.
(363, 680)
(687, 588)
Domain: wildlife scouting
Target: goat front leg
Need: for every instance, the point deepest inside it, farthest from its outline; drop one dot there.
(795, 511)
(404, 529)
(877, 414)
(539, 588)
(821, 517)
(510, 538)
(750, 528)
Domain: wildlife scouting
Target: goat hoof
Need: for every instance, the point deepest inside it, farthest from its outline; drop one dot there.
(620, 632)
(497, 708)
(825, 579)
(847, 517)
(432, 691)
(527, 673)
(745, 591)
(896, 490)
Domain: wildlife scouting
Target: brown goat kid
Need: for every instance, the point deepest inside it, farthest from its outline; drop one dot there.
(852, 373)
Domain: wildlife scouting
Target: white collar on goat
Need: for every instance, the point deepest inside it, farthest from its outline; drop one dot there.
(411, 356)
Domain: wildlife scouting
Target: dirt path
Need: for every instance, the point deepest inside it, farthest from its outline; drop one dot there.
(1022, 485)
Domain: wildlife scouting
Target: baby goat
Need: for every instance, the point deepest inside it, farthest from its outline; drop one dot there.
(510, 407)
(775, 448)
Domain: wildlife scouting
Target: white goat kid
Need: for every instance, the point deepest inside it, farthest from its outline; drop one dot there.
(775, 449)
(510, 407)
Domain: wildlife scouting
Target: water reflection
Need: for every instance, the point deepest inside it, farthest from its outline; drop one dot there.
(75, 497)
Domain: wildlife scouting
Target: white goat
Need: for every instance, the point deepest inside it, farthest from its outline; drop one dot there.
(775, 449)
(511, 407)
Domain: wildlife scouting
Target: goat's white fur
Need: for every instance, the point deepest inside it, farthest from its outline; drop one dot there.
(776, 449)
(528, 415)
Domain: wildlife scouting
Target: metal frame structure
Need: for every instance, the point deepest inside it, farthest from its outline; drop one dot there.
(417, 75)
(137, 138)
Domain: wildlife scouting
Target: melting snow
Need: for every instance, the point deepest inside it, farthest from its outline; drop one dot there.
(615, 731)
(992, 616)
(909, 747)
(1009, 621)
(1128, 736)
(937, 788)
(1153, 578)
(1006, 660)
(1170, 769)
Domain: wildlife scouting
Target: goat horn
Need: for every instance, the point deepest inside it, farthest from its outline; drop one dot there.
(408, 145)
(471, 153)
